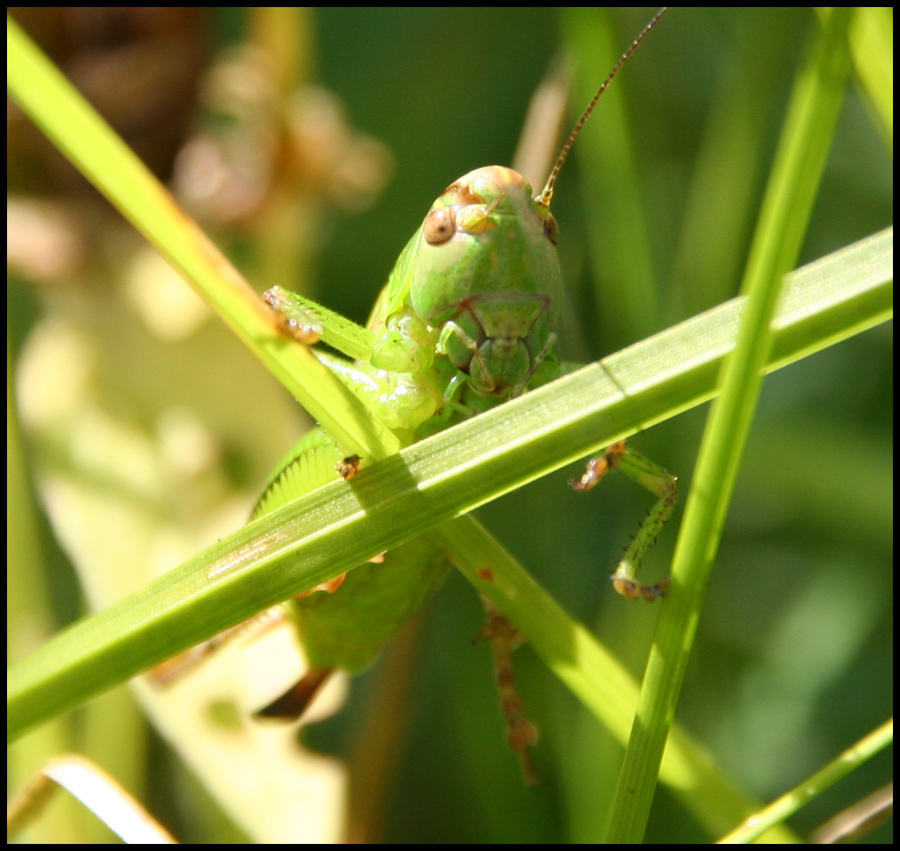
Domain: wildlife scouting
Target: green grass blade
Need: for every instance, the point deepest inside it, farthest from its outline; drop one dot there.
(872, 43)
(789, 803)
(795, 179)
(94, 148)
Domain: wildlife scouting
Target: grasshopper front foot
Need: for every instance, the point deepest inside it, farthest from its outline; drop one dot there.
(656, 480)
(290, 320)
(348, 467)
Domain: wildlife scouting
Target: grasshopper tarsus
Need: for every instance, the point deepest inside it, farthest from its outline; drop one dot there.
(631, 589)
(598, 467)
(348, 467)
(306, 331)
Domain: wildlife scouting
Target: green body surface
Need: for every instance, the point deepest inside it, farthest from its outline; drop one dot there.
(347, 628)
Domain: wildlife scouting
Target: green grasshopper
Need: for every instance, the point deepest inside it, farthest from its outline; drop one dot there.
(466, 321)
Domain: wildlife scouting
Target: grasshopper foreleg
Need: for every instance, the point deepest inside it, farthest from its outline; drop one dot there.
(656, 480)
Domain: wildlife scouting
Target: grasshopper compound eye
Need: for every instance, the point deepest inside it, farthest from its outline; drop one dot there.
(439, 226)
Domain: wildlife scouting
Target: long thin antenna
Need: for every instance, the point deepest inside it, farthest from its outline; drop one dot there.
(545, 196)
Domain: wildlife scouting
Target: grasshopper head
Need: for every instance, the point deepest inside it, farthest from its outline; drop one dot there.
(485, 272)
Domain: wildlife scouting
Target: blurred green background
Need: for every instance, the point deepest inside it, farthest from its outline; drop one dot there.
(793, 661)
